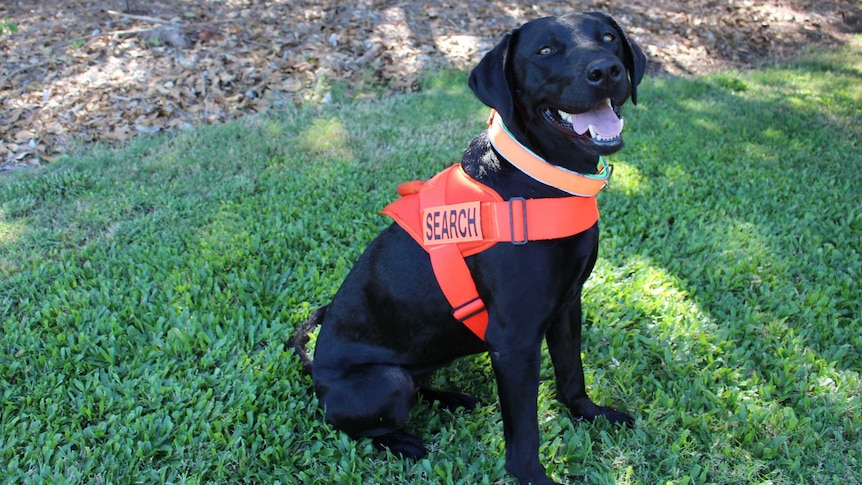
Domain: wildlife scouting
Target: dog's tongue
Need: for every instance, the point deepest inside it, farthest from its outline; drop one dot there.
(602, 118)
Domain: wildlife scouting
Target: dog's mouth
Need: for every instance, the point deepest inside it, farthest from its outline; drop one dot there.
(602, 125)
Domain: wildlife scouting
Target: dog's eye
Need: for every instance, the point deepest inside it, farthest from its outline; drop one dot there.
(608, 38)
(544, 51)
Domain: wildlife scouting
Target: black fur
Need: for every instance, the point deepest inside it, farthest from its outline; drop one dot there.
(389, 325)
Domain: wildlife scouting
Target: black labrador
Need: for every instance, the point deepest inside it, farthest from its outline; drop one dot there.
(389, 326)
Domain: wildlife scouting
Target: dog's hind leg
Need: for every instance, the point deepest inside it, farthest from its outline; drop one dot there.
(372, 401)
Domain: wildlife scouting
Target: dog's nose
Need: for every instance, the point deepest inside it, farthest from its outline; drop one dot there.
(604, 73)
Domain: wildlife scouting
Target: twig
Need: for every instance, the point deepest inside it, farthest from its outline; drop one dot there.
(14, 73)
(116, 33)
(142, 18)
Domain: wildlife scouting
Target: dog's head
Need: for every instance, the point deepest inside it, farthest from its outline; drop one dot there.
(559, 84)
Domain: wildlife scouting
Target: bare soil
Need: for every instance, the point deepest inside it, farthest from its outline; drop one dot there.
(83, 71)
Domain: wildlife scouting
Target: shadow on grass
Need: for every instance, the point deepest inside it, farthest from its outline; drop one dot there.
(724, 311)
(732, 253)
(725, 302)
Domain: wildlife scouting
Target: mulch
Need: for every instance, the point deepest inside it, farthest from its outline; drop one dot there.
(76, 72)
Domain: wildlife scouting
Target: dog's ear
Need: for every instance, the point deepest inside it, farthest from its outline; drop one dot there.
(490, 80)
(635, 60)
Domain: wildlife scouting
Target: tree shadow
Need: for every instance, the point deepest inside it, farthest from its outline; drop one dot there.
(731, 248)
(725, 299)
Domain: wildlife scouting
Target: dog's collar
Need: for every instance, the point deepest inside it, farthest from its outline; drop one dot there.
(583, 185)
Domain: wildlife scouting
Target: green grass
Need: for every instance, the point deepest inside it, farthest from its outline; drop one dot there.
(146, 294)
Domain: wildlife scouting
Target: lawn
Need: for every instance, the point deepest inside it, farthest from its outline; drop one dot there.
(147, 293)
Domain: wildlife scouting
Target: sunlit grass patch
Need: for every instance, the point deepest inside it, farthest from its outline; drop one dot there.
(147, 294)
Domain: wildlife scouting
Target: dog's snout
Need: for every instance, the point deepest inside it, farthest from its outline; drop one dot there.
(605, 73)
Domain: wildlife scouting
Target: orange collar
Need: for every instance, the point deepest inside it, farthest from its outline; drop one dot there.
(583, 185)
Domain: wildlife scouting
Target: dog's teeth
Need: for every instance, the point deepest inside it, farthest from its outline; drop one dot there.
(622, 124)
(593, 133)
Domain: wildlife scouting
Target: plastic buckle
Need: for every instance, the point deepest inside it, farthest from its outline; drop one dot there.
(517, 242)
(469, 309)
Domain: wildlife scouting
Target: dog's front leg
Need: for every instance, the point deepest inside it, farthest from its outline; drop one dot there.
(564, 345)
(516, 366)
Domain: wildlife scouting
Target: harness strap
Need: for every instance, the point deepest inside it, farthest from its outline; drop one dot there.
(520, 220)
(453, 276)
(457, 284)
(453, 216)
(515, 221)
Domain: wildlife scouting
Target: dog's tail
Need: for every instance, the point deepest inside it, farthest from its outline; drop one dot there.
(299, 339)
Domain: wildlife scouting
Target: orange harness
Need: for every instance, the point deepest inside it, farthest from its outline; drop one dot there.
(453, 216)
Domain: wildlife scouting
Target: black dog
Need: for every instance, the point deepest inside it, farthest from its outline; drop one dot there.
(390, 326)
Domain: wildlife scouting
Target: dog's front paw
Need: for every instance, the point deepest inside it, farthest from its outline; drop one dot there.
(401, 444)
(536, 477)
(586, 409)
(451, 400)
(617, 417)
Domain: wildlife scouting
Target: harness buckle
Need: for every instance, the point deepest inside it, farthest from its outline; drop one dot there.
(469, 309)
(517, 242)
